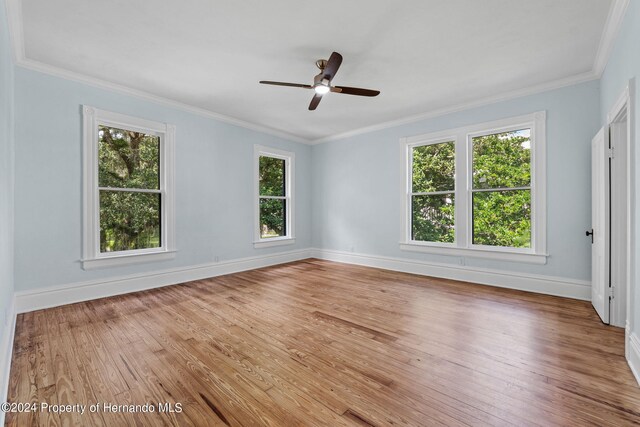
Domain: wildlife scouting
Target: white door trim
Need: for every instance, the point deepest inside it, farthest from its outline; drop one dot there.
(601, 225)
(624, 105)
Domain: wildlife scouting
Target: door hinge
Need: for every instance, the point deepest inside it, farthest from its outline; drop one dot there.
(610, 153)
(611, 293)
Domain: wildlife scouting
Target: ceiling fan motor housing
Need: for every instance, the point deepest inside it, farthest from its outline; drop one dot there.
(321, 63)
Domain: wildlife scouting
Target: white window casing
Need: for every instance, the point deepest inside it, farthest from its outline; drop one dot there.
(463, 245)
(289, 159)
(91, 255)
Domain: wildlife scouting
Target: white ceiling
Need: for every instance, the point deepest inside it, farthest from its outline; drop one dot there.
(423, 55)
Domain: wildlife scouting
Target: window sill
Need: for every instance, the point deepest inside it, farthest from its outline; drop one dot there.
(496, 254)
(118, 260)
(276, 241)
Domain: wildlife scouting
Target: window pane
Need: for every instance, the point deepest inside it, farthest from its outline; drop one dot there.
(129, 221)
(502, 160)
(128, 159)
(273, 218)
(434, 168)
(272, 176)
(502, 218)
(432, 218)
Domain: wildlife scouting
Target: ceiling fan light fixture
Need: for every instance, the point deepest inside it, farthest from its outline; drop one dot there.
(322, 82)
(321, 89)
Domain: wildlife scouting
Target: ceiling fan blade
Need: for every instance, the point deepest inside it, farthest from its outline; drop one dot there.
(332, 66)
(267, 82)
(315, 101)
(354, 91)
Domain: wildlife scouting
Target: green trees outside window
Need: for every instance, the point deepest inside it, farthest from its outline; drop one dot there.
(129, 190)
(273, 197)
(433, 193)
(502, 189)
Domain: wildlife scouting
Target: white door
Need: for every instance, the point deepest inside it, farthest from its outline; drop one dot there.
(600, 204)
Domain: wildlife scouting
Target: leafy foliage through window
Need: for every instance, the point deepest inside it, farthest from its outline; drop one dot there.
(500, 193)
(129, 190)
(502, 189)
(478, 190)
(273, 197)
(433, 193)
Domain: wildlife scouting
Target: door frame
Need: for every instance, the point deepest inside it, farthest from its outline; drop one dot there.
(601, 285)
(624, 105)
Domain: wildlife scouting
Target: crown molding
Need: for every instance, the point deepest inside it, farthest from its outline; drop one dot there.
(532, 90)
(611, 30)
(16, 34)
(103, 84)
(609, 33)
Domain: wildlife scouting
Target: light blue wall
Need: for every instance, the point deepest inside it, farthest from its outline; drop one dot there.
(214, 188)
(623, 65)
(6, 177)
(214, 183)
(357, 182)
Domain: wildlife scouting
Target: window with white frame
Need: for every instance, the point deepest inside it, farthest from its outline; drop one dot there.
(274, 197)
(478, 191)
(128, 189)
(433, 192)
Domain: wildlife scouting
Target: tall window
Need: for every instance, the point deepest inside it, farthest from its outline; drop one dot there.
(274, 190)
(128, 205)
(501, 189)
(433, 192)
(478, 191)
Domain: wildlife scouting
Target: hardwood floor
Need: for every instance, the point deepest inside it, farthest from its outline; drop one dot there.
(321, 343)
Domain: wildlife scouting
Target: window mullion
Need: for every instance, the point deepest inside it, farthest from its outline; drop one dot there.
(434, 193)
(130, 190)
(408, 203)
(462, 194)
(486, 190)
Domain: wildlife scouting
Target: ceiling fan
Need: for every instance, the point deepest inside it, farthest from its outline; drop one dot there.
(322, 81)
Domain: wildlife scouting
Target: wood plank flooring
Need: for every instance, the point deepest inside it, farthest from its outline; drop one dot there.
(327, 344)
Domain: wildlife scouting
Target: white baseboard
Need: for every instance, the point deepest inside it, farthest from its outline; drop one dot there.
(83, 291)
(6, 351)
(633, 354)
(550, 285)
